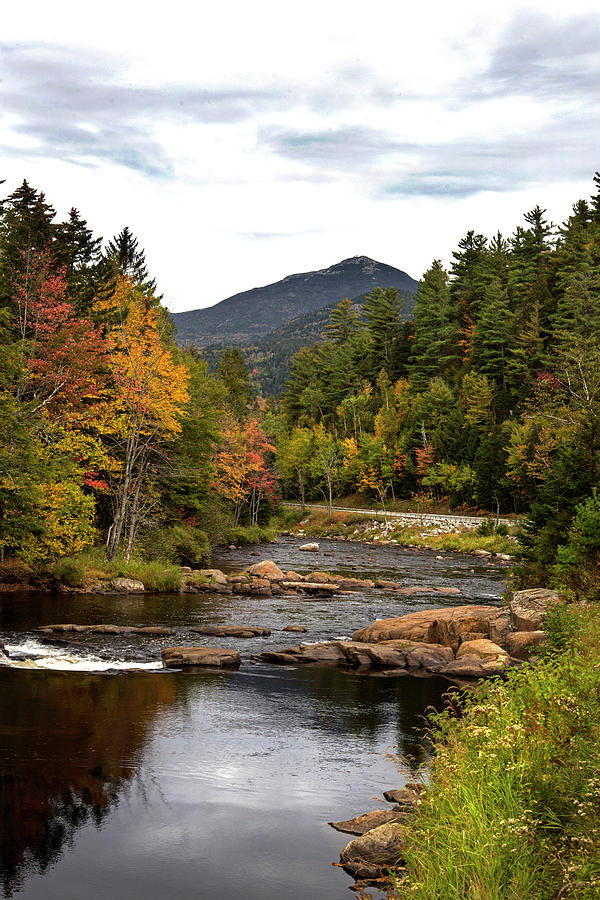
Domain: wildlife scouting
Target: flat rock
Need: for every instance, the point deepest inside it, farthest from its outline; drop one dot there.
(320, 578)
(370, 855)
(387, 585)
(293, 576)
(353, 584)
(311, 547)
(311, 586)
(155, 630)
(240, 631)
(267, 569)
(521, 643)
(528, 608)
(482, 649)
(403, 797)
(295, 628)
(432, 626)
(216, 657)
(367, 822)
(127, 586)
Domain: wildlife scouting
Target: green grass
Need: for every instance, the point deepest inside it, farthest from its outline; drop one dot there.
(251, 534)
(84, 569)
(513, 810)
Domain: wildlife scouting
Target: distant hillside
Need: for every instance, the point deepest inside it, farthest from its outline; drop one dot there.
(272, 355)
(247, 318)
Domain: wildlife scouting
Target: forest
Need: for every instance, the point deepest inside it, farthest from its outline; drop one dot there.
(488, 399)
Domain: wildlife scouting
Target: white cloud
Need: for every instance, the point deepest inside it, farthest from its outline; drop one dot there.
(244, 142)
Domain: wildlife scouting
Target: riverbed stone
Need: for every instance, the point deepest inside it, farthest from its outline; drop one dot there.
(353, 584)
(295, 628)
(153, 630)
(528, 608)
(368, 821)
(260, 586)
(214, 575)
(520, 644)
(311, 547)
(432, 626)
(402, 797)
(482, 648)
(215, 657)
(317, 577)
(239, 631)
(267, 569)
(127, 585)
(372, 854)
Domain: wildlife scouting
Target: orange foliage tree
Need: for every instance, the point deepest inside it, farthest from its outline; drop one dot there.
(150, 393)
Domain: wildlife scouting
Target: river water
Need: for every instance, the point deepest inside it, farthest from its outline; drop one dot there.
(119, 780)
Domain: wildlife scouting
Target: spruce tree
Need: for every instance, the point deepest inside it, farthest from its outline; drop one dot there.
(343, 322)
(435, 347)
(382, 315)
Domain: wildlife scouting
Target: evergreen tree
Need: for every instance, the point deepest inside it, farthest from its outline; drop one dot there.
(382, 315)
(123, 256)
(435, 347)
(79, 252)
(343, 322)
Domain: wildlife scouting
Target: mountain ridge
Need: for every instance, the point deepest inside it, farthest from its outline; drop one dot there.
(248, 316)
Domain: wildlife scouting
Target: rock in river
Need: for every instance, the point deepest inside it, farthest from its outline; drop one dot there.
(219, 657)
(240, 631)
(369, 821)
(312, 547)
(127, 586)
(267, 569)
(435, 626)
(371, 855)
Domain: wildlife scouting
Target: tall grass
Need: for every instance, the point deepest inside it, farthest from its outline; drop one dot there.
(84, 569)
(513, 810)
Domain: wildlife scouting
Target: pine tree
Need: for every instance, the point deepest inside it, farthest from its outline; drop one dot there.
(26, 230)
(343, 322)
(79, 252)
(233, 372)
(435, 347)
(123, 256)
(382, 315)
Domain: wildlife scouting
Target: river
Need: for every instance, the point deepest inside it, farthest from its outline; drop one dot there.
(118, 780)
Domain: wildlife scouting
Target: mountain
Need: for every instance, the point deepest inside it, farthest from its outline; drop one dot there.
(271, 356)
(246, 318)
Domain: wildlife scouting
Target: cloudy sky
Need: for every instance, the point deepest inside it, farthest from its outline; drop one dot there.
(242, 142)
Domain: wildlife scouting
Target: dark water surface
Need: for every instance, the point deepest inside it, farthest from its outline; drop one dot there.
(209, 785)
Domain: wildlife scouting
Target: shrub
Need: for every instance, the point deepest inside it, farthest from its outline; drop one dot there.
(71, 571)
(181, 544)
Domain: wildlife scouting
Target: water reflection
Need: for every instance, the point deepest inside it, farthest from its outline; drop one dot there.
(68, 748)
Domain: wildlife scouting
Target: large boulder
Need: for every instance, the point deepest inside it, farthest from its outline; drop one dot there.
(367, 822)
(520, 644)
(432, 626)
(239, 631)
(215, 657)
(127, 586)
(372, 854)
(267, 569)
(528, 608)
(356, 654)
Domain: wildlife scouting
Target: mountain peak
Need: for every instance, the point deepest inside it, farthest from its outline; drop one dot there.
(247, 317)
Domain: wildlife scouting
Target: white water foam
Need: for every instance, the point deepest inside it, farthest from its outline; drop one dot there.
(60, 659)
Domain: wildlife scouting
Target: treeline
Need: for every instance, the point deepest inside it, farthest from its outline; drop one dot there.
(108, 433)
(490, 397)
